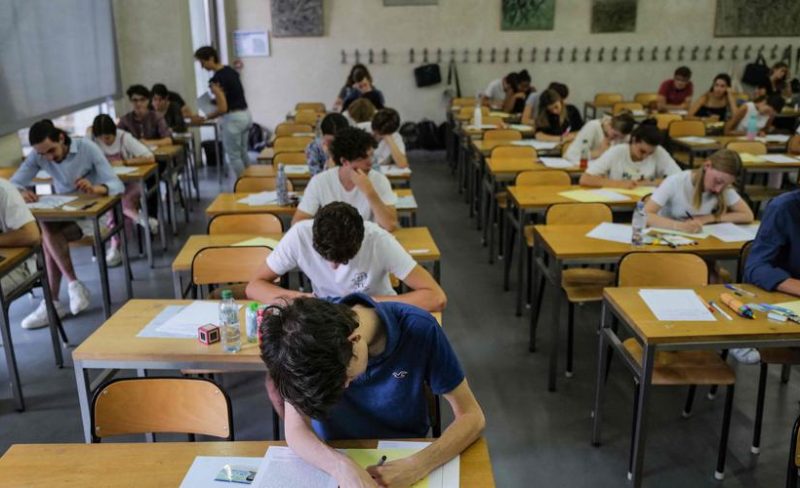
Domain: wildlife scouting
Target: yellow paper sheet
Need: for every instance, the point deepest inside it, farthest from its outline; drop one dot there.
(657, 230)
(750, 158)
(794, 306)
(639, 191)
(499, 114)
(371, 457)
(258, 241)
(590, 196)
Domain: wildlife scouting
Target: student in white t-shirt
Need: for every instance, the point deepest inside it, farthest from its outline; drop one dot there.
(763, 108)
(601, 134)
(122, 148)
(641, 162)
(391, 148)
(352, 181)
(705, 194)
(18, 229)
(342, 254)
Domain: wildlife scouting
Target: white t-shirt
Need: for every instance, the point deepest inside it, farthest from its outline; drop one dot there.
(125, 147)
(675, 194)
(616, 164)
(494, 91)
(368, 272)
(761, 120)
(13, 212)
(325, 188)
(383, 154)
(591, 132)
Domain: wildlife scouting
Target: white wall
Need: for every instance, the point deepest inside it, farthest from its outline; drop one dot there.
(10, 150)
(310, 69)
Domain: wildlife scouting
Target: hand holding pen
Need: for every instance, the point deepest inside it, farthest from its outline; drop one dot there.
(693, 226)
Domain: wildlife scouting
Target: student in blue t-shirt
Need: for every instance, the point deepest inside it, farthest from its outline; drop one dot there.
(774, 260)
(357, 370)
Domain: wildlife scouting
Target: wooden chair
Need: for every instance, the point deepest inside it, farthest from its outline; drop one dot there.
(684, 128)
(287, 129)
(489, 120)
(602, 100)
(318, 107)
(289, 158)
(308, 117)
(229, 266)
(581, 285)
(466, 113)
(645, 98)
(161, 405)
(677, 368)
(291, 144)
(619, 107)
(255, 223)
(755, 148)
(502, 135)
(463, 102)
(756, 193)
(514, 152)
(255, 184)
(663, 120)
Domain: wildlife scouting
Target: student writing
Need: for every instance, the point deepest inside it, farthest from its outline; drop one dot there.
(600, 135)
(552, 122)
(762, 109)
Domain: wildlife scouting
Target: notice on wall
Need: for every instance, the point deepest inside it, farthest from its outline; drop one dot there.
(250, 43)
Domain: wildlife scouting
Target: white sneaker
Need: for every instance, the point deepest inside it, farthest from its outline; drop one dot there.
(746, 355)
(113, 257)
(38, 318)
(153, 223)
(78, 297)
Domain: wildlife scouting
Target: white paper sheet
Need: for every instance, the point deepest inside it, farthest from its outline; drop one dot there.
(186, 322)
(612, 232)
(696, 140)
(778, 158)
(521, 127)
(52, 201)
(392, 170)
(445, 476)
(42, 175)
(538, 145)
(262, 198)
(481, 127)
(204, 469)
(406, 203)
(282, 468)
(727, 232)
(123, 170)
(777, 137)
(678, 111)
(559, 163)
(676, 305)
(205, 104)
(296, 169)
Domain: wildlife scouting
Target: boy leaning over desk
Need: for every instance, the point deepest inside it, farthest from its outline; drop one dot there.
(356, 369)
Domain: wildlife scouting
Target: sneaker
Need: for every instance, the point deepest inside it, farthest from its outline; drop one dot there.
(78, 297)
(746, 355)
(113, 257)
(38, 318)
(153, 223)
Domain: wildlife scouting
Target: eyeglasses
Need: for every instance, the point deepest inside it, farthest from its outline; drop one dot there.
(138, 99)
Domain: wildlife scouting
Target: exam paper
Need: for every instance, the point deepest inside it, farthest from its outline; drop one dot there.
(204, 469)
(606, 231)
(639, 191)
(778, 158)
(281, 468)
(751, 158)
(521, 127)
(482, 126)
(776, 138)
(794, 306)
(51, 201)
(393, 170)
(728, 232)
(123, 170)
(676, 305)
(538, 145)
(258, 241)
(258, 199)
(296, 169)
(696, 140)
(594, 196)
(186, 322)
(406, 202)
(445, 476)
(559, 163)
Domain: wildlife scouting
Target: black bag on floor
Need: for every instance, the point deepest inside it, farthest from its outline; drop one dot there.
(410, 135)
(429, 137)
(212, 152)
(257, 138)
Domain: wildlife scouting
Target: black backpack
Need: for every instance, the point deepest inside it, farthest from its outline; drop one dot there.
(257, 138)
(410, 135)
(429, 136)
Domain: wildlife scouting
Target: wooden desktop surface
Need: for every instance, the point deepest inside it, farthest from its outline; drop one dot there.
(102, 205)
(512, 166)
(541, 197)
(228, 203)
(193, 245)
(12, 256)
(165, 463)
(485, 147)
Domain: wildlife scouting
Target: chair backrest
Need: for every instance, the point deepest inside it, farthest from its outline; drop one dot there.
(254, 184)
(578, 213)
(466, 112)
(750, 147)
(744, 253)
(161, 405)
(255, 223)
(663, 120)
(292, 157)
(502, 135)
(662, 269)
(489, 120)
(463, 102)
(645, 98)
(308, 117)
(227, 264)
(630, 106)
(318, 107)
(287, 129)
(607, 99)
(514, 152)
(741, 96)
(682, 128)
(543, 178)
(291, 144)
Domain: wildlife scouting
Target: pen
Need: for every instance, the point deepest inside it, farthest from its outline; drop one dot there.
(739, 291)
(382, 460)
(88, 205)
(718, 309)
(708, 306)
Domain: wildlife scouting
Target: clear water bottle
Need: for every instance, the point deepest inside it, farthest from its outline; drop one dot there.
(638, 224)
(477, 116)
(229, 323)
(251, 322)
(584, 154)
(282, 187)
(752, 128)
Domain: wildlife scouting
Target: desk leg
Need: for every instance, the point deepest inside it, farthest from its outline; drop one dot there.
(538, 284)
(437, 271)
(148, 245)
(640, 435)
(508, 229)
(123, 239)
(82, 382)
(55, 323)
(176, 285)
(520, 259)
(488, 216)
(555, 325)
(600, 386)
(100, 252)
(11, 358)
(162, 220)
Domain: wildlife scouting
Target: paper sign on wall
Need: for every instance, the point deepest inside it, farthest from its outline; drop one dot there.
(251, 43)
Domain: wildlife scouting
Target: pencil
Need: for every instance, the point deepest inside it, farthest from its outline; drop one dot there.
(717, 307)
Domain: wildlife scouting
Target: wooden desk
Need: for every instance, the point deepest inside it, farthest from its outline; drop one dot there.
(101, 207)
(695, 149)
(476, 133)
(485, 147)
(654, 335)
(115, 345)
(557, 246)
(164, 464)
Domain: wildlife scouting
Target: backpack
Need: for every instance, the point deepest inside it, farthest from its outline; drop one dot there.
(428, 135)
(257, 137)
(410, 135)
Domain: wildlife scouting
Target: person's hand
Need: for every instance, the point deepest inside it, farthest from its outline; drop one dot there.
(29, 196)
(520, 95)
(762, 133)
(361, 180)
(85, 186)
(626, 184)
(396, 474)
(197, 119)
(691, 226)
(350, 475)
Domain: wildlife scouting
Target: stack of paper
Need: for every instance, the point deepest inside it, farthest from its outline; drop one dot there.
(257, 241)
(776, 137)
(258, 199)
(779, 159)
(52, 201)
(392, 170)
(594, 196)
(727, 232)
(204, 470)
(296, 169)
(696, 140)
(186, 322)
(538, 145)
(606, 231)
(407, 202)
(677, 305)
(558, 163)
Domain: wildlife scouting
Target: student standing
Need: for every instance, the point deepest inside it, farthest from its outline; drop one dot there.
(763, 109)
(342, 254)
(352, 181)
(642, 162)
(75, 165)
(676, 93)
(718, 101)
(600, 135)
(552, 122)
(317, 153)
(231, 107)
(358, 369)
(144, 123)
(391, 148)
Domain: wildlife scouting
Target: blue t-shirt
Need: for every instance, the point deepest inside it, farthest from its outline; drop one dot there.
(775, 255)
(388, 400)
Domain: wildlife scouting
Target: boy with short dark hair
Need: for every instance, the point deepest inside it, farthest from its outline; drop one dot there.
(676, 94)
(145, 124)
(317, 154)
(391, 148)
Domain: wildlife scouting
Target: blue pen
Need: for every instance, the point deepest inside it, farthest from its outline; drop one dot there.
(739, 291)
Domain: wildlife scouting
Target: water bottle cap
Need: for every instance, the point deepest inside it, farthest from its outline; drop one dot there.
(253, 306)
(227, 294)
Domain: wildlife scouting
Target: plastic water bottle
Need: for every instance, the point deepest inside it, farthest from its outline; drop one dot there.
(251, 321)
(638, 224)
(584, 154)
(477, 116)
(752, 129)
(229, 323)
(282, 187)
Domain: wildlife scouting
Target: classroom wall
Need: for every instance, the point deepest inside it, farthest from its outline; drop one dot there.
(10, 150)
(310, 69)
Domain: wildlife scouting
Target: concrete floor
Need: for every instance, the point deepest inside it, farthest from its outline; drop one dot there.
(535, 438)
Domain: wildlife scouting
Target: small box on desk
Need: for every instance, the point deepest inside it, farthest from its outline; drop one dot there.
(208, 334)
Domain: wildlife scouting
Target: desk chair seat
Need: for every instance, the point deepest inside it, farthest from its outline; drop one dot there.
(676, 368)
